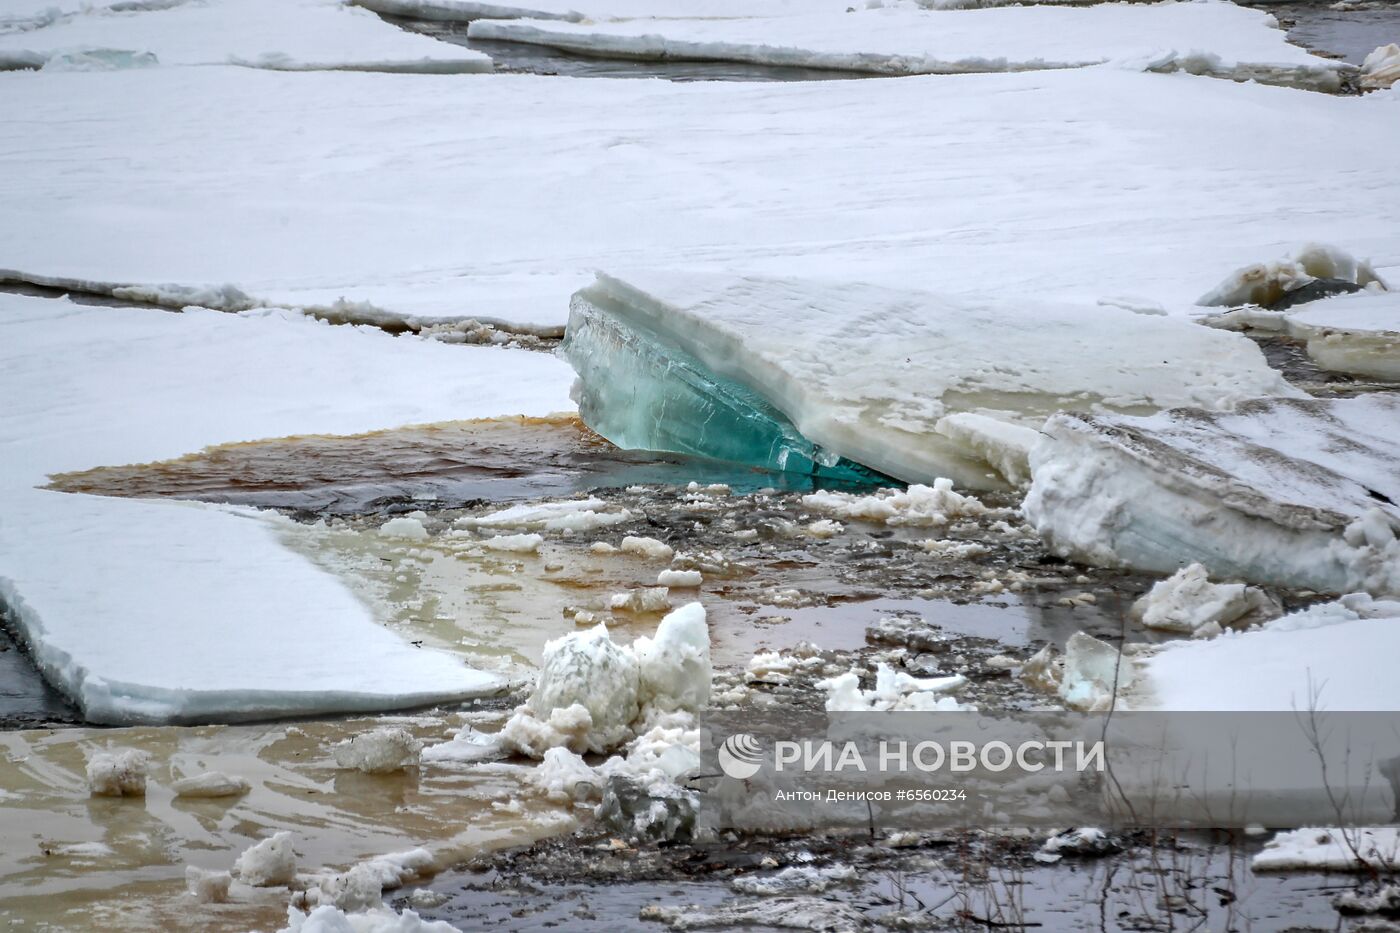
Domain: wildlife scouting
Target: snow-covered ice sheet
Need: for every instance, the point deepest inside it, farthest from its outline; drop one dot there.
(158, 610)
(292, 35)
(1213, 37)
(576, 10)
(1301, 493)
(866, 373)
(497, 196)
(1333, 657)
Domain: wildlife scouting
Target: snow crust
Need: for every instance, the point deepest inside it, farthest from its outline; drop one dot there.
(931, 194)
(907, 40)
(1296, 492)
(907, 359)
(188, 611)
(285, 35)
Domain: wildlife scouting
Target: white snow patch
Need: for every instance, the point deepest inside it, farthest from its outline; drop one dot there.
(1360, 849)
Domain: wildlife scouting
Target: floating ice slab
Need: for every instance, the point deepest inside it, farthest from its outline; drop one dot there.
(1061, 185)
(816, 378)
(154, 610)
(1301, 493)
(1213, 37)
(1332, 657)
(288, 35)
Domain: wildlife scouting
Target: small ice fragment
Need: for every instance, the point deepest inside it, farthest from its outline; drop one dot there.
(645, 599)
(918, 505)
(674, 665)
(648, 548)
(680, 579)
(1381, 68)
(405, 526)
(379, 752)
(824, 528)
(210, 784)
(1091, 671)
(603, 547)
(208, 887)
(518, 544)
(563, 777)
(268, 864)
(118, 774)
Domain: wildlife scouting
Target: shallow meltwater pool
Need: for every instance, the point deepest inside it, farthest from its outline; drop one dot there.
(77, 862)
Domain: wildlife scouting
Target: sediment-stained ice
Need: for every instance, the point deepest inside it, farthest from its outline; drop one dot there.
(1381, 68)
(817, 377)
(1297, 492)
(519, 186)
(151, 610)
(1268, 283)
(283, 35)
(1214, 37)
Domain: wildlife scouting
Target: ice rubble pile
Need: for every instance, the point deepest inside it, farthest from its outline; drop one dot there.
(893, 690)
(900, 39)
(1298, 492)
(284, 35)
(1189, 604)
(865, 375)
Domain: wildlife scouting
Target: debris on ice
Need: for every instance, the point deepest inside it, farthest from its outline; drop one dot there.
(208, 887)
(120, 773)
(379, 752)
(267, 864)
(210, 784)
(1188, 603)
(1297, 492)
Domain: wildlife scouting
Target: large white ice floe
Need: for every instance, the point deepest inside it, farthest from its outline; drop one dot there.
(519, 186)
(1213, 37)
(285, 35)
(809, 376)
(1332, 657)
(1298, 492)
(149, 610)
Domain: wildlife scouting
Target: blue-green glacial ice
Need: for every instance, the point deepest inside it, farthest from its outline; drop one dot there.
(642, 392)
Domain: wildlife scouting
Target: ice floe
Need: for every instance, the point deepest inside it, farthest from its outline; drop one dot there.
(1298, 492)
(862, 375)
(905, 39)
(751, 178)
(285, 35)
(379, 752)
(1332, 657)
(97, 584)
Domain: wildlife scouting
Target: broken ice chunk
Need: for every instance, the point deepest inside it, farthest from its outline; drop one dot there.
(894, 690)
(1299, 493)
(1187, 602)
(208, 887)
(514, 544)
(405, 526)
(1093, 672)
(680, 579)
(817, 378)
(918, 505)
(210, 784)
(118, 774)
(648, 548)
(268, 864)
(645, 599)
(1381, 68)
(379, 752)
